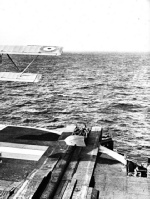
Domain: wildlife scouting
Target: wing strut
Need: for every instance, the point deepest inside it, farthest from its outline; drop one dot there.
(25, 67)
(29, 65)
(13, 62)
(21, 75)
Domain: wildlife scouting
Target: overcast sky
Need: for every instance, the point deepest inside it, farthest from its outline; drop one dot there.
(77, 25)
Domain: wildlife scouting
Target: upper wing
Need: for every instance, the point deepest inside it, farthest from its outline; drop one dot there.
(31, 50)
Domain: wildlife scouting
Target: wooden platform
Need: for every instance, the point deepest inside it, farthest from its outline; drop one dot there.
(71, 172)
(113, 183)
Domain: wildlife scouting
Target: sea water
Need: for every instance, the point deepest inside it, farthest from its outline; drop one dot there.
(111, 90)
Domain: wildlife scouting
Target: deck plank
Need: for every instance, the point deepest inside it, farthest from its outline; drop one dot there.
(86, 163)
(71, 172)
(56, 175)
(69, 190)
(63, 151)
(112, 181)
(61, 189)
(88, 159)
(81, 193)
(34, 180)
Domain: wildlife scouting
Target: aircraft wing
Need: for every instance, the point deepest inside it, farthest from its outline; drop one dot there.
(31, 50)
(19, 77)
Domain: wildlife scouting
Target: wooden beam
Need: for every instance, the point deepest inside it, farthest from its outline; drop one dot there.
(69, 190)
(56, 175)
(61, 189)
(92, 193)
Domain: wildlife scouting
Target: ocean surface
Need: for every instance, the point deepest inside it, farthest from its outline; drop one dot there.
(111, 90)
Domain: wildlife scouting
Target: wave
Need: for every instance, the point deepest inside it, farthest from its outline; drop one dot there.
(126, 106)
(105, 89)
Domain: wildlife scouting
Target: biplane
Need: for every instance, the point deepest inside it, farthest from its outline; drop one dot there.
(35, 50)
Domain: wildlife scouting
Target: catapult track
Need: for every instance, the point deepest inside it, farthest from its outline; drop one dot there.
(69, 172)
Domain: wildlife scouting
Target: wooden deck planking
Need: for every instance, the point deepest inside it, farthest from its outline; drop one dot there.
(87, 158)
(56, 175)
(72, 175)
(81, 193)
(92, 193)
(44, 168)
(61, 189)
(73, 164)
(113, 183)
(66, 172)
(81, 167)
(70, 189)
(7, 187)
(85, 192)
(45, 173)
(33, 181)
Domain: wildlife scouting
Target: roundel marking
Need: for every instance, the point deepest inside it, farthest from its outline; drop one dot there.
(48, 48)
